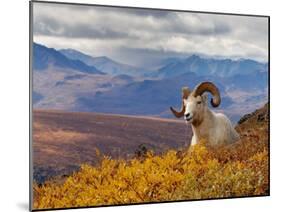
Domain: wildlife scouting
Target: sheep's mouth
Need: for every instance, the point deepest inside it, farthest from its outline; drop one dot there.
(188, 119)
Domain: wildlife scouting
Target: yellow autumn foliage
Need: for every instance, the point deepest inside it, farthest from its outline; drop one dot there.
(197, 173)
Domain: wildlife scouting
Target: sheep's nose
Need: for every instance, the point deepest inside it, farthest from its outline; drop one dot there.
(187, 115)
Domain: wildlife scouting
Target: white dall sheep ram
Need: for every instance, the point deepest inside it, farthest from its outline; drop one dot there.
(213, 127)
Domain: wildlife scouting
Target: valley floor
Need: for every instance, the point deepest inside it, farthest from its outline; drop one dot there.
(64, 140)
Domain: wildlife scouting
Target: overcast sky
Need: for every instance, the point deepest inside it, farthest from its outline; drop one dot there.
(135, 36)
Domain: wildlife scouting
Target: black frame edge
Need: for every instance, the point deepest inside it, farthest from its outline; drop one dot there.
(30, 105)
(149, 8)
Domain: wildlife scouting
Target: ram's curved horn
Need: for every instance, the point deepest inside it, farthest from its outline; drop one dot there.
(210, 87)
(178, 114)
(185, 94)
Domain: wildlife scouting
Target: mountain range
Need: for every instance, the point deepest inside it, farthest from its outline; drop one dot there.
(205, 66)
(103, 63)
(74, 81)
(44, 58)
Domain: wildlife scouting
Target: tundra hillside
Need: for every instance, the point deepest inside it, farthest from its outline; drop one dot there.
(201, 172)
(62, 141)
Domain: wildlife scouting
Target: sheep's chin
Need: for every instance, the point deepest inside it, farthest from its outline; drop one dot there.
(189, 120)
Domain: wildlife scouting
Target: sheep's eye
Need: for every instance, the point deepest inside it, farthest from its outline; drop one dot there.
(199, 102)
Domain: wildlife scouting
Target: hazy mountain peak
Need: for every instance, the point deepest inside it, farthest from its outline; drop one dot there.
(210, 66)
(104, 63)
(194, 57)
(44, 57)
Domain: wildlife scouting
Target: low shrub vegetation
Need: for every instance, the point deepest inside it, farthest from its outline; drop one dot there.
(200, 172)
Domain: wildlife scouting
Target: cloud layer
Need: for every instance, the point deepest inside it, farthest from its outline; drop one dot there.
(134, 36)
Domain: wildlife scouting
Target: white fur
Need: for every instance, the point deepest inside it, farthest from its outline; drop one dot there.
(213, 127)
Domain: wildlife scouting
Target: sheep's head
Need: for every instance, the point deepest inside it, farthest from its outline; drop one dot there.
(194, 102)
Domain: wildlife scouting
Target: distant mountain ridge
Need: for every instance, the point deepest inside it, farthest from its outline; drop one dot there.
(44, 57)
(103, 63)
(151, 97)
(217, 67)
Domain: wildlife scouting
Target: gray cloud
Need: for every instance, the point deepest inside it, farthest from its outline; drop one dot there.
(50, 27)
(145, 13)
(114, 31)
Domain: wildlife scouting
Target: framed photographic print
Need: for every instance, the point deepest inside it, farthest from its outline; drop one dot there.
(140, 105)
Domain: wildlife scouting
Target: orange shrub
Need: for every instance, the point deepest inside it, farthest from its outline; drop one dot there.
(200, 172)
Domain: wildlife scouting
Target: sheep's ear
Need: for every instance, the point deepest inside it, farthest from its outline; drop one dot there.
(205, 98)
